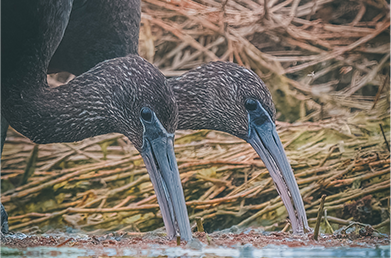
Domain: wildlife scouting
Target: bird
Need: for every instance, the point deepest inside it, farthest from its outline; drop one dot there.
(226, 97)
(124, 94)
(97, 30)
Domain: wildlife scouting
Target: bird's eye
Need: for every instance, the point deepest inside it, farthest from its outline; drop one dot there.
(250, 105)
(146, 114)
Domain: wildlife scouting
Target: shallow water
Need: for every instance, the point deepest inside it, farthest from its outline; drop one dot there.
(246, 251)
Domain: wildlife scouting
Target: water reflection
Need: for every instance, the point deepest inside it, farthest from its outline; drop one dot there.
(244, 252)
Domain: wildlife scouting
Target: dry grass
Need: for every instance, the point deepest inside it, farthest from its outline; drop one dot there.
(313, 55)
(101, 184)
(327, 65)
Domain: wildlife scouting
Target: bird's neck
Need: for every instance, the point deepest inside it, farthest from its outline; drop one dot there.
(97, 30)
(202, 105)
(194, 105)
(67, 113)
(30, 34)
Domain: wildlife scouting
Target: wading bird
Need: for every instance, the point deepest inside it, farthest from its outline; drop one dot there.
(125, 95)
(225, 97)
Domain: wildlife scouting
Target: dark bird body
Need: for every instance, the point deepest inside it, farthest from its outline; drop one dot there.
(107, 98)
(226, 97)
(97, 30)
(127, 94)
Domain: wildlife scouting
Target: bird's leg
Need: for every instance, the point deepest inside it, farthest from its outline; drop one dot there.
(3, 132)
(3, 213)
(3, 220)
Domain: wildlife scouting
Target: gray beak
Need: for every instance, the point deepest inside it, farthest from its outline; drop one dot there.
(264, 139)
(159, 158)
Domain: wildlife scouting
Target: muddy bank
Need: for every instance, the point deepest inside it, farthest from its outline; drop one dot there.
(219, 239)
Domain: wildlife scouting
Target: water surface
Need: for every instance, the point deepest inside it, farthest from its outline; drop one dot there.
(246, 251)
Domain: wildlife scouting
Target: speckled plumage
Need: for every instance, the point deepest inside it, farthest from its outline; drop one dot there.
(107, 98)
(212, 96)
(215, 96)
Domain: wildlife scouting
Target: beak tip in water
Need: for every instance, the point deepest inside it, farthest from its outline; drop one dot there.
(264, 139)
(159, 158)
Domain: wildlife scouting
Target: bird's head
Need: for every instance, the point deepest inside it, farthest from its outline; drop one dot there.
(223, 93)
(226, 97)
(142, 106)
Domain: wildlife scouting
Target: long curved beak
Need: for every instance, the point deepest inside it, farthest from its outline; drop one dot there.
(159, 158)
(264, 139)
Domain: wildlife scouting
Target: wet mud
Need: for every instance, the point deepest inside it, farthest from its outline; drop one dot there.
(218, 239)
